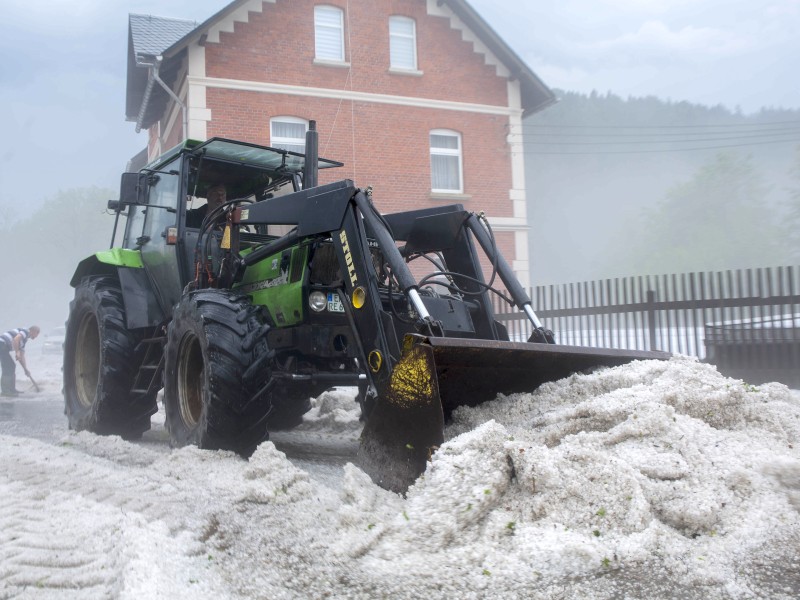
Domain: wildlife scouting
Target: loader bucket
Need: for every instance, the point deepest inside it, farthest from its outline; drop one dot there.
(436, 375)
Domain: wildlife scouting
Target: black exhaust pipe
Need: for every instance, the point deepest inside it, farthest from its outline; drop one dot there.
(311, 166)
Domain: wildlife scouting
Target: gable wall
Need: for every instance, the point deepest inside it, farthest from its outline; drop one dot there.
(249, 71)
(265, 49)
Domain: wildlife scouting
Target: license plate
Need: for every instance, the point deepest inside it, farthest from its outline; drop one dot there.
(335, 303)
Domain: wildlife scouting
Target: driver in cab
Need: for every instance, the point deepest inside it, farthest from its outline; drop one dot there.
(216, 196)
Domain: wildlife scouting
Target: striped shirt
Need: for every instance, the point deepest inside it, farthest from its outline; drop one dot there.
(8, 337)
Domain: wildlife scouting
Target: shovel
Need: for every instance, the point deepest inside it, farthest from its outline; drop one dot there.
(35, 385)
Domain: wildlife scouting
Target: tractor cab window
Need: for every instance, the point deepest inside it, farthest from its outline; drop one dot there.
(133, 228)
(162, 200)
(156, 207)
(159, 255)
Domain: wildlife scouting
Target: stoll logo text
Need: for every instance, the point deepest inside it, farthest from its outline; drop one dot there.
(348, 258)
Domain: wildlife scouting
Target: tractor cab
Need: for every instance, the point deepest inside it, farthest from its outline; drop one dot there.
(170, 220)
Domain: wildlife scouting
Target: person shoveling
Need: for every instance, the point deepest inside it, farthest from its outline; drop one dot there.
(15, 339)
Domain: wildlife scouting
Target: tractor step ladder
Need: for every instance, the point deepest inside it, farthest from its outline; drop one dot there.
(148, 378)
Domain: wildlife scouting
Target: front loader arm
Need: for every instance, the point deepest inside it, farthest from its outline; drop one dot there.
(373, 327)
(518, 293)
(407, 422)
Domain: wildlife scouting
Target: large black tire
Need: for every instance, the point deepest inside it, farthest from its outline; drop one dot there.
(216, 359)
(100, 364)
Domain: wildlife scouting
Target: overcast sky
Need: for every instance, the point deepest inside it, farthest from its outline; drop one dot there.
(738, 53)
(62, 77)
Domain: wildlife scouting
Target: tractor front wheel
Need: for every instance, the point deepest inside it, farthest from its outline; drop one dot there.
(213, 340)
(101, 359)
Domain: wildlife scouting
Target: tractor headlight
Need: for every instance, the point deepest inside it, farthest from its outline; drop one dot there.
(317, 301)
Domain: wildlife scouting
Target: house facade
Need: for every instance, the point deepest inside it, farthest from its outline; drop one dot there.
(419, 98)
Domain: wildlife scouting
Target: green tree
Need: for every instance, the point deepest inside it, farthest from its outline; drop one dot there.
(44, 249)
(716, 221)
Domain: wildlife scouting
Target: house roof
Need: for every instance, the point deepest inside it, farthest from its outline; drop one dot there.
(535, 94)
(150, 37)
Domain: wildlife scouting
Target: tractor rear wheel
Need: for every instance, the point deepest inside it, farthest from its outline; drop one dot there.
(213, 340)
(100, 364)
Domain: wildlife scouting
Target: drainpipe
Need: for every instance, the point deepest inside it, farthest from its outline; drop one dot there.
(145, 101)
(154, 78)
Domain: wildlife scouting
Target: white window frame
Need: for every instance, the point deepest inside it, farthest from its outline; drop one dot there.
(321, 28)
(394, 35)
(276, 141)
(457, 152)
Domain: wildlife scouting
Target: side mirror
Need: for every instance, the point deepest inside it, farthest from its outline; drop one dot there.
(128, 189)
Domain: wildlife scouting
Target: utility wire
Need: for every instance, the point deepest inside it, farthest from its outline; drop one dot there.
(660, 151)
(628, 139)
(796, 123)
(765, 137)
(657, 135)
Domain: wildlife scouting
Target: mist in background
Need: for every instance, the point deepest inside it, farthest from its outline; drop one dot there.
(641, 186)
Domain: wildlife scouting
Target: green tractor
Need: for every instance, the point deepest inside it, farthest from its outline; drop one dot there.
(287, 289)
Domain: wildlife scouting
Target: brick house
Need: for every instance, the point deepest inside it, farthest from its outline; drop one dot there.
(419, 98)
